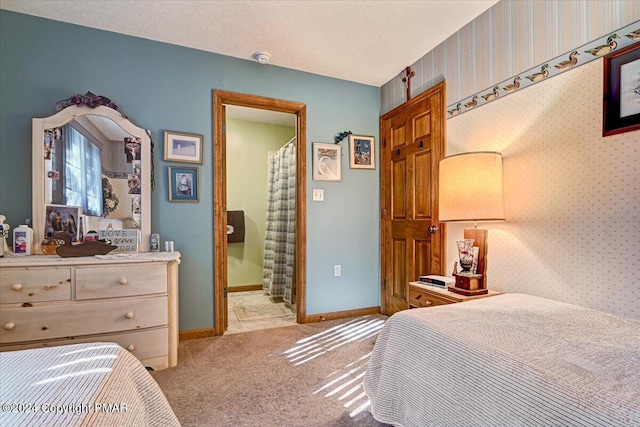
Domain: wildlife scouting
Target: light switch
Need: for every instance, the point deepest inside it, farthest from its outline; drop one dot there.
(318, 195)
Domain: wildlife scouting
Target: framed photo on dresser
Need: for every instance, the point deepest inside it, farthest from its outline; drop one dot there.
(59, 218)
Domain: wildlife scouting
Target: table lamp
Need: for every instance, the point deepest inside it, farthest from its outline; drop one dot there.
(471, 190)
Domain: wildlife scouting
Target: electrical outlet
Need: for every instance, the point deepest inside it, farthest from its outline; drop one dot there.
(337, 270)
(318, 195)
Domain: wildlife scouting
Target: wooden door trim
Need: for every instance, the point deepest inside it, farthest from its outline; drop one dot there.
(221, 98)
(439, 87)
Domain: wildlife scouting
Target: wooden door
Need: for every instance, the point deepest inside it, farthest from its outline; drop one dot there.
(412, 138)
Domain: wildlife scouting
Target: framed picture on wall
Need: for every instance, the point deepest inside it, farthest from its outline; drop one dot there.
(326, 162)
(362, 152)
(183, 184)
(183, 147)
(621, 109)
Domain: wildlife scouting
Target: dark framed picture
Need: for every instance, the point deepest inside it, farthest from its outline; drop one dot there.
(183, 147)
(183, 184)
(362, 152)
(621, 110)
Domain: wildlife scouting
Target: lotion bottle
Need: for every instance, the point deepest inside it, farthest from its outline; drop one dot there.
(22, 240)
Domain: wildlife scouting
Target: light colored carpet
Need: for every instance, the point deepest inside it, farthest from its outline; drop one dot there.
(306, 375)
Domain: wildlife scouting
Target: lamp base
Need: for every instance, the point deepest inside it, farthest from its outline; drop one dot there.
(468, 284)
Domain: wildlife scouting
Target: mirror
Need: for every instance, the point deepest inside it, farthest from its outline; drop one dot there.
(91, 171)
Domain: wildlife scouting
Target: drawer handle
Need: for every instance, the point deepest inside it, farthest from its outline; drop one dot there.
(131, 347)
(9, 326)
(16, 286)
(124, 281)
(129, 315)
(418, 296)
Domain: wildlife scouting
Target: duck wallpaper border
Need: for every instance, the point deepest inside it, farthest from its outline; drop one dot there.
(625, 36)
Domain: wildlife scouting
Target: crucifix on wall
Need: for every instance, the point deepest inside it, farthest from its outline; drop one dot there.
(409, 73)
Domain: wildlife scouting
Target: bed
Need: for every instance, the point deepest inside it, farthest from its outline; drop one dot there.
(80, 385)
(508, 360)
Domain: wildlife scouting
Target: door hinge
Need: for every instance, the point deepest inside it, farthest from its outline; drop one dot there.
(384, 283)
(224, 291)
(224, 129)
(384, 142)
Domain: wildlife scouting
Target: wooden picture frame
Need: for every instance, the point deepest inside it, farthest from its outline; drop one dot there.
(621, 107)
(184, 184)
(327, 162)
(183, 147)
(362, 152)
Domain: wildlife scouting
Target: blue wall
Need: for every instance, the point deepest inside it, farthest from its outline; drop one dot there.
(161, 86)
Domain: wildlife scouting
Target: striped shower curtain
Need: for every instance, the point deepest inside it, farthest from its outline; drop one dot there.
(279, 244)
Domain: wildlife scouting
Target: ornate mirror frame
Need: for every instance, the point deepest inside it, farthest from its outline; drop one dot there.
(39, 175)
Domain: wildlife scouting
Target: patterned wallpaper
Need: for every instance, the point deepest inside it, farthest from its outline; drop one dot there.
(508, 40)
(586, 53)
(572, 197)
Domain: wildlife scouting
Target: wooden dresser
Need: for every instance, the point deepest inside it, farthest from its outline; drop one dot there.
(130, 300)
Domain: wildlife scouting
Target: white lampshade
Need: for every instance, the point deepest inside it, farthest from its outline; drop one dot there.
(471, 187)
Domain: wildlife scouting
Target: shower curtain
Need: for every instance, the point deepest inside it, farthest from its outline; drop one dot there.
(279, 244)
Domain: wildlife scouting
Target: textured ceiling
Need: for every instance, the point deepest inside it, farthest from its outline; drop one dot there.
(363, 41)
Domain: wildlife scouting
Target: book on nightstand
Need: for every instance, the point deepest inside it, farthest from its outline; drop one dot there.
(438, 281)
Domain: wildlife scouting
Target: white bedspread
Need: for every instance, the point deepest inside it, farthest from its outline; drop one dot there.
(96, 384)
(508, 360)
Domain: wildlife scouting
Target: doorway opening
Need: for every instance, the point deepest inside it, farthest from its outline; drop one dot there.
(226, 211)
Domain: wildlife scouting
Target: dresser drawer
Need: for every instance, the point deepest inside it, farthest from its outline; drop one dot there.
(120, 281)
(22, 285)
(422, 299)
(147, 344)
(60, 321)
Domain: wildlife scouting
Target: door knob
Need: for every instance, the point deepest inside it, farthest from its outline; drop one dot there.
(433, 229)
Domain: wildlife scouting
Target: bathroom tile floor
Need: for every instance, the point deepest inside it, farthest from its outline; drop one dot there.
(253, 310)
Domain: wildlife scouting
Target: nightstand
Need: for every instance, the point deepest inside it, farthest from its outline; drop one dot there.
(429, 296)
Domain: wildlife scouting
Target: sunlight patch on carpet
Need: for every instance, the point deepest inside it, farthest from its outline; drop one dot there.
(346, 384)
(348, 387)
(316, 345)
